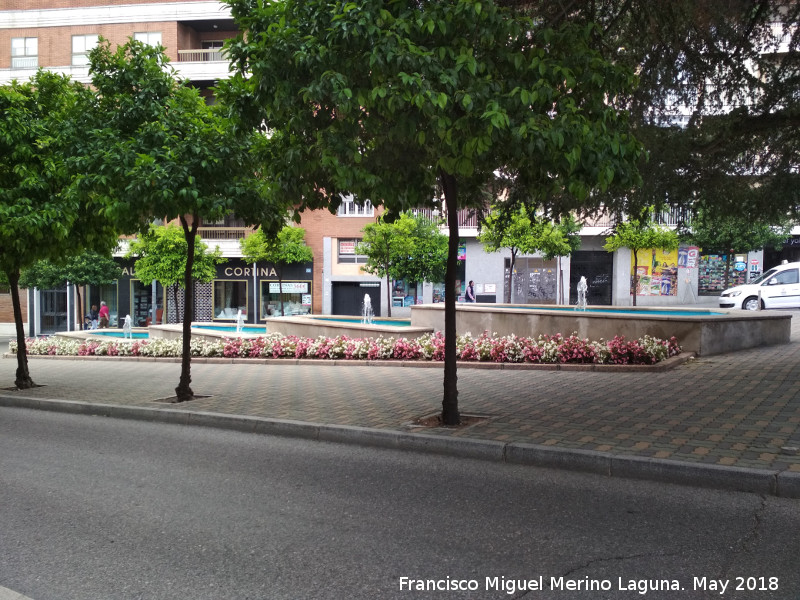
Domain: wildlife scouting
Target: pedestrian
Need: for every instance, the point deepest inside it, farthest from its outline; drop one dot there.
(94, 317)
(471, 291)
(103, 314)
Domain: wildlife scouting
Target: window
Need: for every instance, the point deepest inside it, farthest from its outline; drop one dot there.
(24, 53)
(296, 298)
(151, 38)
(347, 251)
(349, 208)
(785, 277)
(81, 46)
(230, 297)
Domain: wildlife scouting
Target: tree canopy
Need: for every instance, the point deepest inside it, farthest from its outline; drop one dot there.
(161, 256)
(400, 102)
(427, 257)
(285, 248)
(521, 233)
(640, 235)
(89, 268)
(716, 105)
(39, 218)
(731, 233)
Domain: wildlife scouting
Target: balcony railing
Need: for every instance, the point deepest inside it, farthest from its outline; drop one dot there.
(213, 54)
(466, 217)
(224, 233)
(24, 62)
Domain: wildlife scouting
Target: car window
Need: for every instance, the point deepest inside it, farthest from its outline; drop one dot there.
(763, 276)
(784, 277)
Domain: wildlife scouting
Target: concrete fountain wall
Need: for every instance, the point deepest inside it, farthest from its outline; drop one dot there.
(700, 331)
(312, 327)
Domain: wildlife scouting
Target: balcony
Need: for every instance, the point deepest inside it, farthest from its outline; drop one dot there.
(224, 233)
(209, 55)
(24, 62)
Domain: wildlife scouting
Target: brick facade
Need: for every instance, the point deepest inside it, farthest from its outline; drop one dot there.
(320, 224)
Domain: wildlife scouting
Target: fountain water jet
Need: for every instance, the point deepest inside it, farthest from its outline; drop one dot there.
(582, 289)
(367, 314)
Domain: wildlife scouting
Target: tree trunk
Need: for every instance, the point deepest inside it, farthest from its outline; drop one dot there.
(635, 275)
(184, 391)
(23, 379)
(513, 262)
(450, 415)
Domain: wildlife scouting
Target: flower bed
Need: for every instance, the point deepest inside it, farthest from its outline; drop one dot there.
(543, 349)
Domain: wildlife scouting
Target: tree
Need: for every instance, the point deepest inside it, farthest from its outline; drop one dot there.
(640, 235)
(386, 244)
(39, 218)
(427, 256)
(521, 234)
(287, 248)
(89, 268)
(728, 234)
(716, 106)
(159, 151)
(400, 102)
(161, 256)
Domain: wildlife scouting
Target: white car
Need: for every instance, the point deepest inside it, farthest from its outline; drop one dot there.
(778, 288)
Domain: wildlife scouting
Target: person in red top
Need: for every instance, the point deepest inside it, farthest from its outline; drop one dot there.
(103, 314)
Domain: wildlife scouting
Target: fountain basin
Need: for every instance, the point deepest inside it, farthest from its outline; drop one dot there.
(205, 330)
(137, 333)
(701, 331)
(313, 326)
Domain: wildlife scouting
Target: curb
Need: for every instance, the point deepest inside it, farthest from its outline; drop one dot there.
(665, 365)
(759, 481)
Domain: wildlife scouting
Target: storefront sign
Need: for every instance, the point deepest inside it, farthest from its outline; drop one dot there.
(289, 287)
(347, 247)
(248, 272)
(306, 300)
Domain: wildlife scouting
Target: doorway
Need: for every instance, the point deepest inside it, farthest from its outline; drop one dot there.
(598, 268)
(348, 297)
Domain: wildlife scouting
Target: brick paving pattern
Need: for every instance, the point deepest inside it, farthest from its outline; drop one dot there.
(738, 409)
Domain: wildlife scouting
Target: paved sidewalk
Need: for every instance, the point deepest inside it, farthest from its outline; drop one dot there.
(718, 417)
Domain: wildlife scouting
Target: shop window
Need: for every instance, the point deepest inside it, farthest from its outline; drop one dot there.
(405, 293)
(296, 298)
(81, 46)
(24, 53)
(230, 297)
(347, 251)
(141, 304)
(108, 294)
(350, 208)
(150, 38)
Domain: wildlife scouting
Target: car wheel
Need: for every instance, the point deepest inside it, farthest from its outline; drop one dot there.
(751, 303)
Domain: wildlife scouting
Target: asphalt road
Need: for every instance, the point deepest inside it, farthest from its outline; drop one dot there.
(96, 508)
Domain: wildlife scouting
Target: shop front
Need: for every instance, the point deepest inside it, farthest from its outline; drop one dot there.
(260, 291)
